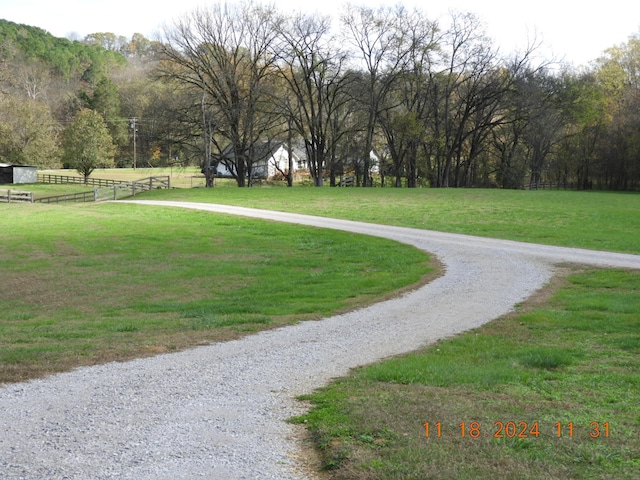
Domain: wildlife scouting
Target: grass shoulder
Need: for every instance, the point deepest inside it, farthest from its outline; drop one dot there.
(550, 391)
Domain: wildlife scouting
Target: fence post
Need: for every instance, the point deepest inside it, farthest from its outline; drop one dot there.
(115, 192)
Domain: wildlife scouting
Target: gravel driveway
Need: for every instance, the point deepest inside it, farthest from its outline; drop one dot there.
(218, 411)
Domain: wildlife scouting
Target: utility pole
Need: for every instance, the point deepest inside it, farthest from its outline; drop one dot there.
(135, 129)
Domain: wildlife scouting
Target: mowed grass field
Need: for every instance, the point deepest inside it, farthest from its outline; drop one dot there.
(595, 220)
(551, 391)
(90, 283)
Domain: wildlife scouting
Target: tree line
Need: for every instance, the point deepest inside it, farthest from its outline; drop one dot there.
(384, 94)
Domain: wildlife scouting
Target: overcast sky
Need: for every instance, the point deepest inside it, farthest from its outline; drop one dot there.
(578, 34)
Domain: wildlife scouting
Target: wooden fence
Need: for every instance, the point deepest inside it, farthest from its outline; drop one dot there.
(64, 179)
(550, 186)
(562, 186)
(151, 183)
(70, 197)
(8, 196)
(110, 189)
(347, 182)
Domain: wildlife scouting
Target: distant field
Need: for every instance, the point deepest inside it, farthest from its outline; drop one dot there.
(595, 220)
(181, 177)
(186, 178)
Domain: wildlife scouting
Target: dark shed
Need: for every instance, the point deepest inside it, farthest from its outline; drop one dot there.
(11, 174)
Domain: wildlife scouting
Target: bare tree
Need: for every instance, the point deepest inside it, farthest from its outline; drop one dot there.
(224, 53)
(34, 78)
(381, 48)
(465, 93)
(406, 109)
(312, 69)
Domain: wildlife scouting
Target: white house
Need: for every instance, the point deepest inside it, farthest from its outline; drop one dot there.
(269, 159)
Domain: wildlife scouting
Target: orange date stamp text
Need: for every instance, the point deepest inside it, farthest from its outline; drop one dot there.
(515, 430)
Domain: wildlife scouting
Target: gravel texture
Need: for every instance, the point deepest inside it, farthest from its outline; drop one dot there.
(219, 411)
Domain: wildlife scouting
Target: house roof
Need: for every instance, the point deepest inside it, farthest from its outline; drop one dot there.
(7, 165)
(261, 151)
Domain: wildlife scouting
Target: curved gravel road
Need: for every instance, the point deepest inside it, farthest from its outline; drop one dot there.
(219, 411)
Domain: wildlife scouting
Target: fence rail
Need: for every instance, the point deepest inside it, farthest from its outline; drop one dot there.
(151, 183)
(70, 197)
(560, 186)
(109, 189)
(65, 179)
(9, 196)
(347, 182)
(549, 186)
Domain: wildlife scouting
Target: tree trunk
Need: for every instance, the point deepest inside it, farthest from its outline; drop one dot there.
(290, 157)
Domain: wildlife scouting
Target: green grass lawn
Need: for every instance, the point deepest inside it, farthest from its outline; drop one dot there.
(130, 280)
(540, 383)
(551, 392)
(88, 283)
(595, 220)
